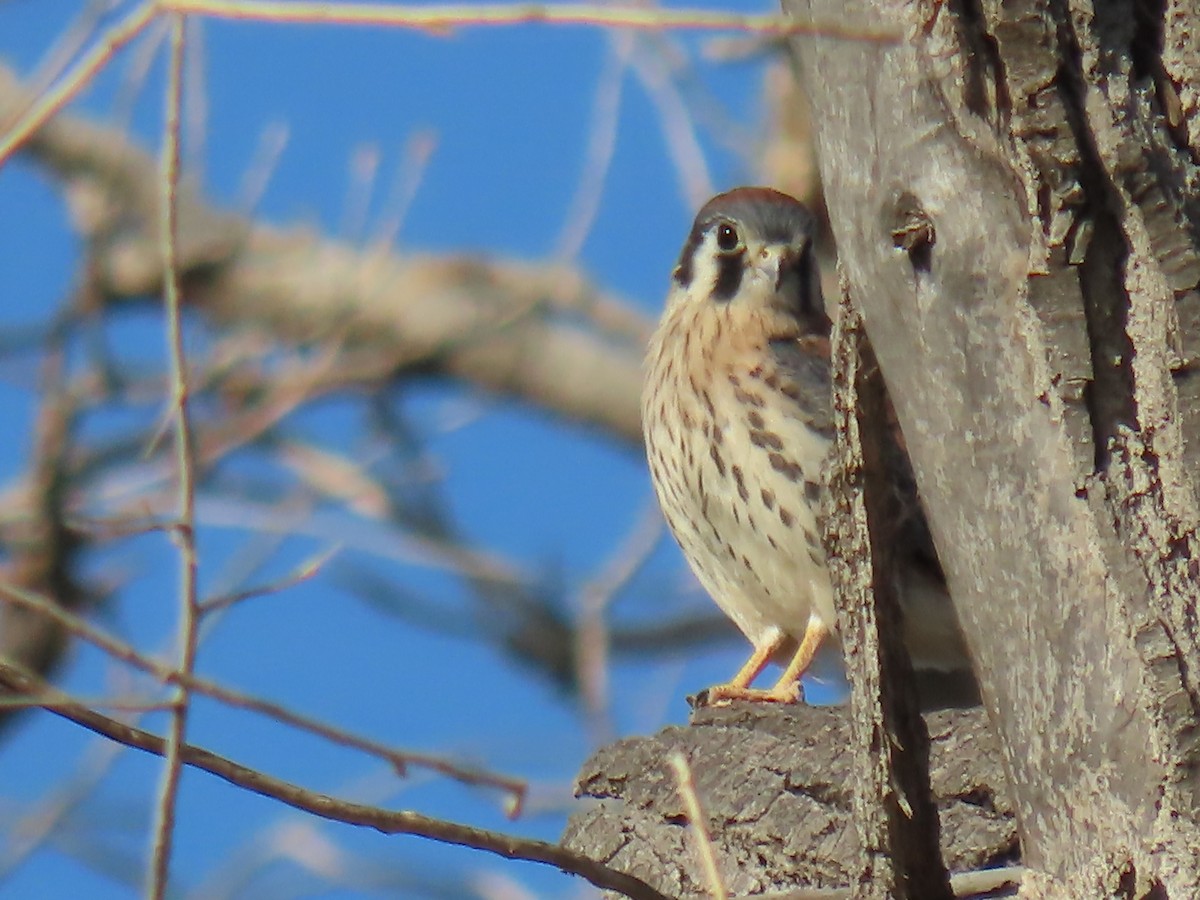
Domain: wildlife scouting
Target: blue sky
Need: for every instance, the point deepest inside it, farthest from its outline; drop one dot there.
(510, 111)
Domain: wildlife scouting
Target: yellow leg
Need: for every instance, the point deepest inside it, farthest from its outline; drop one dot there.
(787, 688)
(756, 663)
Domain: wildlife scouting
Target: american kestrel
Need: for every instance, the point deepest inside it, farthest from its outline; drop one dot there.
(738, 423)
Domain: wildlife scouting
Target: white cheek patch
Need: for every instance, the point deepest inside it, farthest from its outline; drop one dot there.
(707, 264)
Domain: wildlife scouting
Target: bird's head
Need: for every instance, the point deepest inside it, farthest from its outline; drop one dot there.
(750, 255)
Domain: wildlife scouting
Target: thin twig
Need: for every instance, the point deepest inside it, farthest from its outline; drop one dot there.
(327, 807)
(137, 70)
(185, 532)
(364, 172)
(36, 827)
(592, 637)
(195, 83)
(712, 116)
(699, 823)
(75, 80)
(409, 176)
(68, 45)
(446, 18)
(119, 649)
(302, 573)
(420, 551)
(602, 143)
(118, 704)
(272, 141)
(239, 569)
(677, 125)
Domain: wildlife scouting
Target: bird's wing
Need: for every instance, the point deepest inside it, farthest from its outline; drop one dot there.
(803, 370)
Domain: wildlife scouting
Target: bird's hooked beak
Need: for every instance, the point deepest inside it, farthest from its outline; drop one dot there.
(775, 262)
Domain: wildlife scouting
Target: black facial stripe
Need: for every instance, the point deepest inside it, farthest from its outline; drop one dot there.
(729, 276)
(684, 268)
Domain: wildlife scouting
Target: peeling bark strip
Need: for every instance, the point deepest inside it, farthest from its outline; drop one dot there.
(1041, 354)
(894, 813)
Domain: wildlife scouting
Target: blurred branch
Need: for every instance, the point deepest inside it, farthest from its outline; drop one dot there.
(385, 821)
(694, 815)
(538, 332)
(301, 573)
(601, 147)
(313, 852)
(184, 530)
(118, 649)
(442, 19)
(542, 333)
(39, 824)
(41, 549)
(678, 633)
(38, 107)
(592, 636)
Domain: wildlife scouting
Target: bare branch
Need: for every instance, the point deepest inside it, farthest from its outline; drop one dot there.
(695, 814)
(184, 531)
(118, 649)
(41, 549)
(385, 821)
(442, 19)
(542, 333)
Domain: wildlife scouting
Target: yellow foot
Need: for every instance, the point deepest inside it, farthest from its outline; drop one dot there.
(727, 693)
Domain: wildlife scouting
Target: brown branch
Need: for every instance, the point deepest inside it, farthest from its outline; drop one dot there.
(118, 649)
(778, 786)
(184, 530)
(443, 19)
(41, 549)
(327, 807)
(538, 332)
(895, 813)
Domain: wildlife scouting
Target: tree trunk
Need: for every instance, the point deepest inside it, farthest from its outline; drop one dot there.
(1014, 191)
(1030, 339)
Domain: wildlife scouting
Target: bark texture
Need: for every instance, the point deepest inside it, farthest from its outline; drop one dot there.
(1030, 341)
(895, 814)
(779, 788)
(1014, 191)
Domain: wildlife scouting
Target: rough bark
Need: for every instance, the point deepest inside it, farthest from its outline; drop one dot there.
(1014, 192)
(894, 813)
(779, 785)
(1031, 347)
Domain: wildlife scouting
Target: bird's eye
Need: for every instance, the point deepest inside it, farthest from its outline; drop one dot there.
(728, 239)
